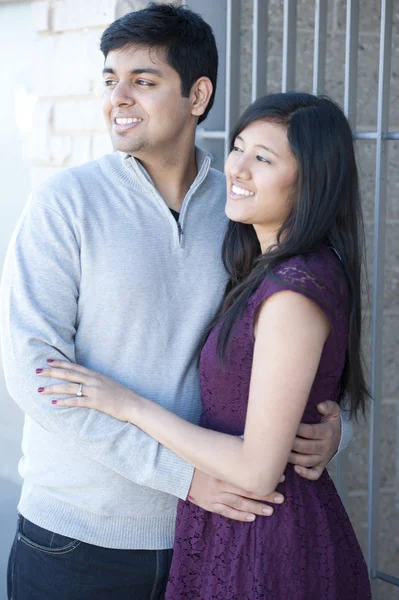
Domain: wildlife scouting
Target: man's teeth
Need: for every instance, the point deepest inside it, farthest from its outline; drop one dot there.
(241, 192)
(129, 121)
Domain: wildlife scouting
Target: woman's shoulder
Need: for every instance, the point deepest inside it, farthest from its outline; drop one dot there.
(320, 269)
(317, 274)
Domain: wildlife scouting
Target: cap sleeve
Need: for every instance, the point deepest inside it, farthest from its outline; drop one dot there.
(317, 276)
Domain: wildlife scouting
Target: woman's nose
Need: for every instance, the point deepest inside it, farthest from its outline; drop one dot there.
(240, 170)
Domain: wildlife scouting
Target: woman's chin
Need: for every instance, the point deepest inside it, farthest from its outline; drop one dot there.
(238, 216)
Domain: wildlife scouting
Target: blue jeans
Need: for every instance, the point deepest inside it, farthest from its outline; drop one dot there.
(46, 566)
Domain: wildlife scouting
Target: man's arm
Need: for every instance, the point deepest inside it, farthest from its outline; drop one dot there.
(40, 291)
(316, 445)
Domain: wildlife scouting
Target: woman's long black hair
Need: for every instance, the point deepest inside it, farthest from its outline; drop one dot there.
(326, 210)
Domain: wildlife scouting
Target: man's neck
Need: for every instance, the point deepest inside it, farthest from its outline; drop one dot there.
(173, 176)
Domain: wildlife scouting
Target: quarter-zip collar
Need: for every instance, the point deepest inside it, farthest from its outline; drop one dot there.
(203, 160)
(144, 181)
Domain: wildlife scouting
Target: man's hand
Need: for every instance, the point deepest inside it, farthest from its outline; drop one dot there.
(229, 501)
(315, 445)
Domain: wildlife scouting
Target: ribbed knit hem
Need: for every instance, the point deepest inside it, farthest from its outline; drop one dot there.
(118, 532)
(173, 475)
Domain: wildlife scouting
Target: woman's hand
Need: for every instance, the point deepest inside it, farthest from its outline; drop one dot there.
(98, 391)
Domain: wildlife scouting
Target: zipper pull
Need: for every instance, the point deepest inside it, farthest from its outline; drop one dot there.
(180, 232)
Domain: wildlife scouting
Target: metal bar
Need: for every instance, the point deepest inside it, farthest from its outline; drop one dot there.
(205, 134)
(352, 35)
(386, 577)
(232, 105)
(260, 28)
(289, 46)
(351, 52)
(320, 38)
(372, 135)
(378, 288)
(215, 14)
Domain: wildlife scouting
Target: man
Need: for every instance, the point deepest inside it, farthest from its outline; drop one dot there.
(116, 265)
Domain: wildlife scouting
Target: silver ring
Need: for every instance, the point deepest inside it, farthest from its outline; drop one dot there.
(80, 390)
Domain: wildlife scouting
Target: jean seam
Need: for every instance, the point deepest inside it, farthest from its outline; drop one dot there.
(53, 551)
(155, 587)
(52, 539)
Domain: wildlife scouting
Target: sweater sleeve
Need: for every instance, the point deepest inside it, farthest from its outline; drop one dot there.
(39, 302)
(346, 430)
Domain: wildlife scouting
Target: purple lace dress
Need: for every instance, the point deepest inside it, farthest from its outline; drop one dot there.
(307, 550)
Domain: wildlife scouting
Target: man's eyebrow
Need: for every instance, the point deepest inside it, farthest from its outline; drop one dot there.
(140, 71)
(261, 146)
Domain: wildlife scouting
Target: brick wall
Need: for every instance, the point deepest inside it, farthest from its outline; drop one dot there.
(68, 123)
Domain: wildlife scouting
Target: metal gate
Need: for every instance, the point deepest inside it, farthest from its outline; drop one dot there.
(224, 16)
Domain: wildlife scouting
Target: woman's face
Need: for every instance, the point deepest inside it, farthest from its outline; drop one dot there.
(261, 174)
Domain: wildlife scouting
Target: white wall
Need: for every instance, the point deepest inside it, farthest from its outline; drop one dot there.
(16, 44)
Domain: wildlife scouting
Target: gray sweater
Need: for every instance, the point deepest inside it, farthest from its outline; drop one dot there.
(98, 273)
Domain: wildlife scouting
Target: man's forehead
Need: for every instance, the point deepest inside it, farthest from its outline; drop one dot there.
(135, 53)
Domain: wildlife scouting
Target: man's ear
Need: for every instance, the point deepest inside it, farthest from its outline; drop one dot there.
(200, 95)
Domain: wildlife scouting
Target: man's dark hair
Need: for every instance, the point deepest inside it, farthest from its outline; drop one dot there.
(187, 39)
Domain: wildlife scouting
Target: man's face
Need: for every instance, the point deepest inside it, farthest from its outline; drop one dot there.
(145, 112)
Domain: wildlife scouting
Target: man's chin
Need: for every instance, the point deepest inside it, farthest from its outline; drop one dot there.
(128, 146)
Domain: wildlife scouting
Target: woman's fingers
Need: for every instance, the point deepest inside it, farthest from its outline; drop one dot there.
(64, 364)
(70, 374)
(80, 401)
(61, 388)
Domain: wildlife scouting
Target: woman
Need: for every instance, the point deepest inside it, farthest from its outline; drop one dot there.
(287, 335)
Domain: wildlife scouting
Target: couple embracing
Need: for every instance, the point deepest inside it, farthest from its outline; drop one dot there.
(167, 356)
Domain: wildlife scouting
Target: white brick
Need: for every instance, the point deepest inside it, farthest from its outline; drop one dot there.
(67, 65)
(60, 150)
(41, 130)
(126, 6)
(101, 145)
(43, 53)
(40, 174)
(67, 151)
(79, 14)
(81, 150)
(40, 15)
(78, 115)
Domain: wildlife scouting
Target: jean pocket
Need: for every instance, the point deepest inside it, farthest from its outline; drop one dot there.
(44, 540)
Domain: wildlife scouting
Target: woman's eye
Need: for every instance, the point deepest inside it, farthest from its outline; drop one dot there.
(236, 149)
(263, 159)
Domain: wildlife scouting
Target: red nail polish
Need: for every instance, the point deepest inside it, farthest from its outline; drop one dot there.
(50, 360)
(40, 390)
(54, 402)
(39, 371)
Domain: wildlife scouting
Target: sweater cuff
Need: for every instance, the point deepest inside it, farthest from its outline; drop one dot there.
(346, 431)
(173, 475)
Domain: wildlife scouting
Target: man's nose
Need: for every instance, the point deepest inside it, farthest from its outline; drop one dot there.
(122, 95)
